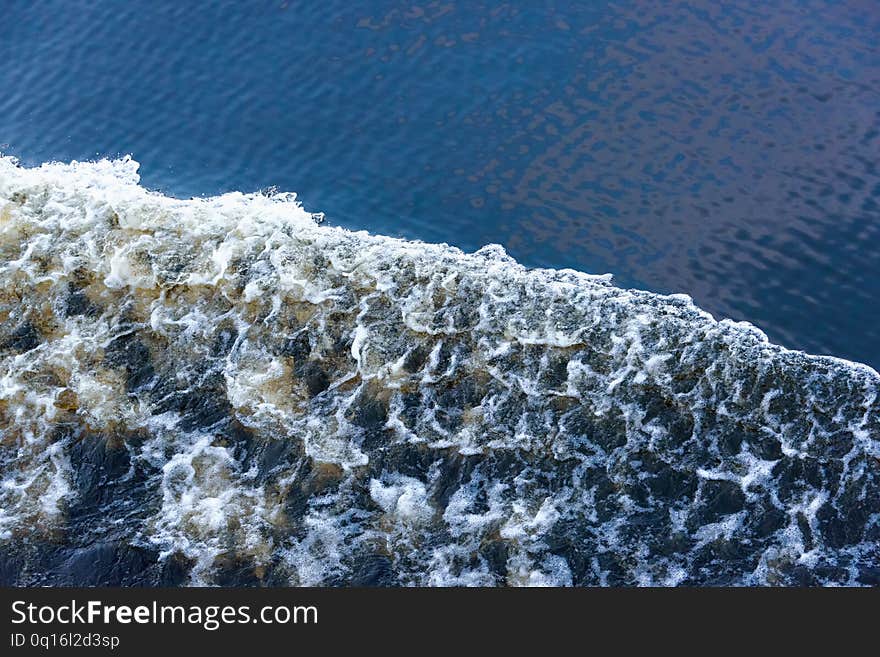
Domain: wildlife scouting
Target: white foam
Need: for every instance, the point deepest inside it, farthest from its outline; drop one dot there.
(595, 392)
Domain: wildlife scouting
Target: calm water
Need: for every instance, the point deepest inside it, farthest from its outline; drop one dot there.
(729, 152)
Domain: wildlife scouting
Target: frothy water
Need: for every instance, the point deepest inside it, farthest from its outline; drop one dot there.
(223, 391)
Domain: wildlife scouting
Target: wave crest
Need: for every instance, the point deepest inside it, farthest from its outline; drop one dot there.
(222, 391)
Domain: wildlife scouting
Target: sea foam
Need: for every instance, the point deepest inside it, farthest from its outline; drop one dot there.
(222, 391)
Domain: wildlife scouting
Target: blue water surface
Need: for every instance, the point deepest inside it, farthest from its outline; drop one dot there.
(725, 150)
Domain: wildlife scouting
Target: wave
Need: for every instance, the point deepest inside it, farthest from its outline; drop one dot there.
(223, 391)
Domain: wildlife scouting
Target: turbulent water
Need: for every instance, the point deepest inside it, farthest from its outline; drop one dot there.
(223, 391)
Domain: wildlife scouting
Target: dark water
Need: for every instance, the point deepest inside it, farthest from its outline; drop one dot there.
(729, 152)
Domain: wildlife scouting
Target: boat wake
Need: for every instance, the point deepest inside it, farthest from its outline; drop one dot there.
(222, 391)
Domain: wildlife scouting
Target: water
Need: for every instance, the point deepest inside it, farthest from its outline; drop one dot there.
(221, 391)
(725, 151)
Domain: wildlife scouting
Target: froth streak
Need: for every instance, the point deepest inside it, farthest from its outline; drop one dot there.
(221, 391)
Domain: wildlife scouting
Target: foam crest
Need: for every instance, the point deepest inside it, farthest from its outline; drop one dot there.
(222, 391)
